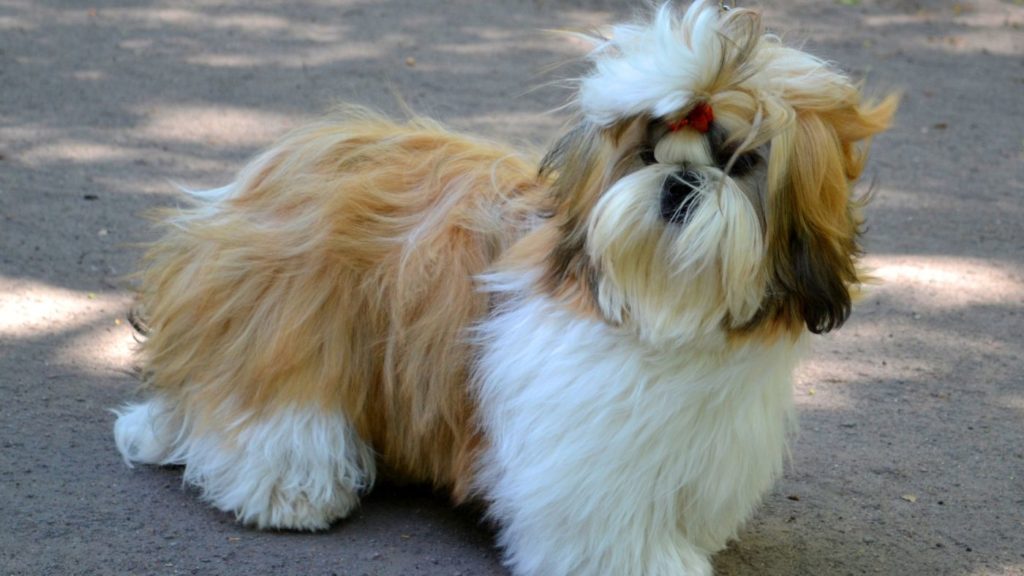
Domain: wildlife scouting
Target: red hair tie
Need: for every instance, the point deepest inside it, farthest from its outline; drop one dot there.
(699, 119)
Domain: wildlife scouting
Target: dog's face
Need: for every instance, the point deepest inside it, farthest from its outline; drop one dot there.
(705, 191)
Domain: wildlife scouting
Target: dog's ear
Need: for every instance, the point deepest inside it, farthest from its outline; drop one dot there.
(577, 166)
(577, 170)
(813, 240)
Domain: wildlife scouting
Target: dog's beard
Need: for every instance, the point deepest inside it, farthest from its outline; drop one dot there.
(683, 276)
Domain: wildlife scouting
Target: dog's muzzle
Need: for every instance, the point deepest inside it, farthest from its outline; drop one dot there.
(678, 195)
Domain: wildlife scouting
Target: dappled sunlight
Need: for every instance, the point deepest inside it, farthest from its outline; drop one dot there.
(291, 59)
(107, 346)
(247, 21)
(909, 328)
(863, 353)
(1006, 42)
(47, 146)
(511, 127)
(993, 31)
(821, 369)
(12, 23)
(214, 125)
(1014, 402)
(78, 152)
(89, 75)
(1007, 570)
(563, 41)
(83, 330)
(929, 196)
(981, 27)
(30, 309)
(944, 282)
(820, 384)
(159, 30)
(55, 148)
(491, 39)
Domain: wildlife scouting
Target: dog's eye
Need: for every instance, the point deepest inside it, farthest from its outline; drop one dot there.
(744, 164)
(647, 156)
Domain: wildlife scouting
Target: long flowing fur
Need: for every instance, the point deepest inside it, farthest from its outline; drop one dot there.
(598, 344)
(635, 451)
(337, 275)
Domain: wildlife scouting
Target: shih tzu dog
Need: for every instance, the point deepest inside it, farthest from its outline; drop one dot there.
(599, 346)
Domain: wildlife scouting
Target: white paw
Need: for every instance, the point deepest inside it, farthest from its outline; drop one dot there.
(145, 432)
(299, 469)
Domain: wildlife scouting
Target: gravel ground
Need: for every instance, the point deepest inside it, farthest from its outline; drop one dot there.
(910, 460)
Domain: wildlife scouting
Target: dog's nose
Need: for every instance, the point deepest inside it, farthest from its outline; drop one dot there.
(677, 195)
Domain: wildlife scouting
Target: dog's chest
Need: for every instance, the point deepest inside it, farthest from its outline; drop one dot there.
(574, 399)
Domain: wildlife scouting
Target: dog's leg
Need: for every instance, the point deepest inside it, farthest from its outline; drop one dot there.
(296, 468)
(588, 452)
(577, 528)
(593, 533)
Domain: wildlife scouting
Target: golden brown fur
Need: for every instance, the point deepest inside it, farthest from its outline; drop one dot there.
(339, 276)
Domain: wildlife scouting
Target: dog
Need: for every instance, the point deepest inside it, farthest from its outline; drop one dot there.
(597, 345)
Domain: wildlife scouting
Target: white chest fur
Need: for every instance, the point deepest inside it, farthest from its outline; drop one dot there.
(608, 456)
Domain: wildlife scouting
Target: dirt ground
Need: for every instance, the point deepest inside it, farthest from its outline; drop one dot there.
(911, 456)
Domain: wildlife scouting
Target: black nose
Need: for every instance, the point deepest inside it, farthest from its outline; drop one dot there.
(677, 195)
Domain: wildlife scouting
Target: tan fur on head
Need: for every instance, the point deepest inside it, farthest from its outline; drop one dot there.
(813, 237)
(810, 124)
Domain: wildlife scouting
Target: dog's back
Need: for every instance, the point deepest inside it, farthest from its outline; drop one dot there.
(336, 276)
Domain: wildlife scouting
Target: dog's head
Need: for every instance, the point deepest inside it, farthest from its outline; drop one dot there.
(705, 188)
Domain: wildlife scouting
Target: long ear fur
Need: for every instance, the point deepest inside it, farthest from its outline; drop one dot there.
(816, 223)
(579, 167)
